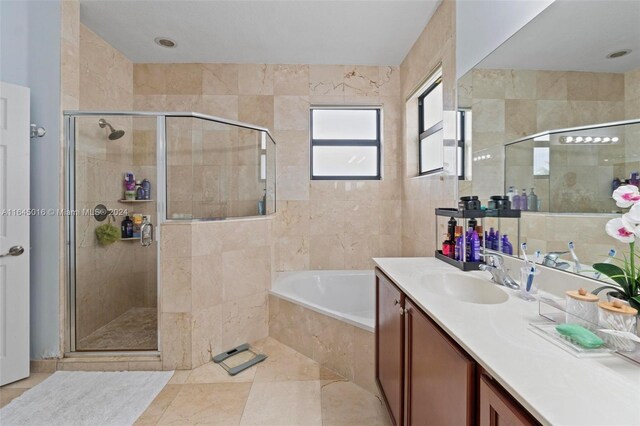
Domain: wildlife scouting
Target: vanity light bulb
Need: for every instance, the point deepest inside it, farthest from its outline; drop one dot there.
(605, 140)
(588, 139)
(615, 139)
(569, 139)
(597, 140)
(579, 139)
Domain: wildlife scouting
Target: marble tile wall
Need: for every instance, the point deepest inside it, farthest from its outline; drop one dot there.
(215, 277)
(320, 224)
(109, 279)
(508, 104)
(346, 349)
(421, 195)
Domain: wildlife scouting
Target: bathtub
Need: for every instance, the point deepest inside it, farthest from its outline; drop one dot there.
(328, 316)
(347, 296)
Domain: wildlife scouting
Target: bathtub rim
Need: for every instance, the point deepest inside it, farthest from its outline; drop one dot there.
(347, 318)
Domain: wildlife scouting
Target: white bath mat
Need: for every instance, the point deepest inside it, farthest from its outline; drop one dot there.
(86, 398)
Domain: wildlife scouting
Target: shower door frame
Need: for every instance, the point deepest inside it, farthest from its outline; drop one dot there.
(161, 211)
(70, 224)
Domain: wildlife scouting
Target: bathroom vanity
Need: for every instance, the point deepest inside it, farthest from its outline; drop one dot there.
(454, 348)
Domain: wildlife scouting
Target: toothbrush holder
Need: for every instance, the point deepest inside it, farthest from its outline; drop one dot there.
(618, 316)
(527, 292)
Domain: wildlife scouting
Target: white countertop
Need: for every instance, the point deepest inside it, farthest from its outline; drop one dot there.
(552, 384)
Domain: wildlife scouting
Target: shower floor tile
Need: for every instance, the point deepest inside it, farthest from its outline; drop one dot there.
(136, 329)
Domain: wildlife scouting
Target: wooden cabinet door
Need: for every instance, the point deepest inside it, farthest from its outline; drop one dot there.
(390, 345)
(497, 407)
(440, 383)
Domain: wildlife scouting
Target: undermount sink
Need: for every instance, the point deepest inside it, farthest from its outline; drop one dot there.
(464, 288)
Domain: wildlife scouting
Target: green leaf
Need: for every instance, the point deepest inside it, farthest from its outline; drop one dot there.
(615, 273)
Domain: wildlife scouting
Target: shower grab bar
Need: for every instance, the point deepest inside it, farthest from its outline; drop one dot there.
(174, 114)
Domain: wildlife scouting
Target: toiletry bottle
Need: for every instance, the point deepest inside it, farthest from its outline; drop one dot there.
(262, 204)
(146, 186)
(634, 180)
(532, 201)
(523, 200)
(497, 243)
(615, 184)
(137, 224)
(515, 202)
(126, 229)
(458, 243)
(472, 224)
(139, 191)
(448, 246)
(510, 193)
(481, 233)
(490, 238)
(507, 248)
(474, 247)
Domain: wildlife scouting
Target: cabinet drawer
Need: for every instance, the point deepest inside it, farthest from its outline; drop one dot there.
(498, 408)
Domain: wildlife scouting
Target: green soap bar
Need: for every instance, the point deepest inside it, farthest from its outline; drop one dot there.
(580, 335)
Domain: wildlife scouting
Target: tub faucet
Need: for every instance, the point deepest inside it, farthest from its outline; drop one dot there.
(499, 275)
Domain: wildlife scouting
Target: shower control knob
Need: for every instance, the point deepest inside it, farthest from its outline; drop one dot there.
(37, 132)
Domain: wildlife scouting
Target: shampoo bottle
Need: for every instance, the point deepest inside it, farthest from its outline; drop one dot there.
(126, 228)
(507, 248)
(474, 247)
(523, 200)
(532, 201)
(515, 202)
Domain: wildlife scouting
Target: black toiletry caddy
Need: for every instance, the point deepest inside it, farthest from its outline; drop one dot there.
(465, 215)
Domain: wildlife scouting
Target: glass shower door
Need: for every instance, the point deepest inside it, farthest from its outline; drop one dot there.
(114, 297)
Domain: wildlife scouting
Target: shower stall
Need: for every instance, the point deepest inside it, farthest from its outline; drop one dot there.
(127, 173)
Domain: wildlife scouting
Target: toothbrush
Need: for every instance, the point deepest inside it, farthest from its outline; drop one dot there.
(530, 278)
(577, 267)
(523, 247)
(612, 254)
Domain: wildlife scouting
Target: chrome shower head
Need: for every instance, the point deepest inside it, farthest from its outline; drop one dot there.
(113, 133)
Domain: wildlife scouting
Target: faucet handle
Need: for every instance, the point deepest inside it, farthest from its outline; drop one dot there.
(496, 259)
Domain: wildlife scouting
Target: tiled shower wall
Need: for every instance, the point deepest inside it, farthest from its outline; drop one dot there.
(109, 279)
(320, 224)
(421, 195)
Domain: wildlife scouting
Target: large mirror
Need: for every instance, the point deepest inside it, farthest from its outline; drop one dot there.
(531, 112)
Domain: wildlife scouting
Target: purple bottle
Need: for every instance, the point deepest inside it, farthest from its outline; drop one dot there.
(515, 202)
(474, 248)
(523, 200)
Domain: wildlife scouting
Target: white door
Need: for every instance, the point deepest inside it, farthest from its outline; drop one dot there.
(14, 233)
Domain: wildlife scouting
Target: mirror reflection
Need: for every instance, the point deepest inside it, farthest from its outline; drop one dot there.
(552, 120)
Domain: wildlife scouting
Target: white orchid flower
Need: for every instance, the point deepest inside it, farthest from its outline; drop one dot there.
(626, 195)
(633, 215)
(621, 230)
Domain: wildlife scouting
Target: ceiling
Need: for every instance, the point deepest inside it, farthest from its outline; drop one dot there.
(287, 32)
(574, 35)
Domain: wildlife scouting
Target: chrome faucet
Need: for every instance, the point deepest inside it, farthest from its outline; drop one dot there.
(499, 275)
(553, 260)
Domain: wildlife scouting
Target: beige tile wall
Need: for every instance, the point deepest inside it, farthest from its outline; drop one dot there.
(508, 104)
(109, 279)
(320, 224)
(346, 349)
(215, 277)
(421, 195)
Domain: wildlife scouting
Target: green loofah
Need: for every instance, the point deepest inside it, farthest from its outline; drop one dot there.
(107, 234)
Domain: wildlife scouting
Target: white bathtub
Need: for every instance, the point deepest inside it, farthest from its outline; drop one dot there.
(348, 296)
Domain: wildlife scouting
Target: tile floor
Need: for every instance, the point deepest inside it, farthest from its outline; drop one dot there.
(286, 389)
(136, 329)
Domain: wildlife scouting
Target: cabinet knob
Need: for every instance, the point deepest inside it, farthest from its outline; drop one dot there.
(403, 311)
(396, 302)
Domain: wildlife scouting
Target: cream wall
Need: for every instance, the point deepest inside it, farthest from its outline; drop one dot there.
(421, 195)
(320, 224)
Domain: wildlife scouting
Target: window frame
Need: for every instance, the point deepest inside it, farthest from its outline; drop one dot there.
(462, 144)
(424, 133)
(377, 143)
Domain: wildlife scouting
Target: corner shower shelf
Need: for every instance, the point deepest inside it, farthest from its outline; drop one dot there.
(135, 201)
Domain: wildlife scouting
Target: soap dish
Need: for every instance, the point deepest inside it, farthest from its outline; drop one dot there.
(548, 331)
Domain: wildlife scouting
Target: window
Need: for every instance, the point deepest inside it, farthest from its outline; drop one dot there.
(345, 143)
(431, 142)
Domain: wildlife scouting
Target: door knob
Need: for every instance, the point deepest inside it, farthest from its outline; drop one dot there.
(13, 251)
